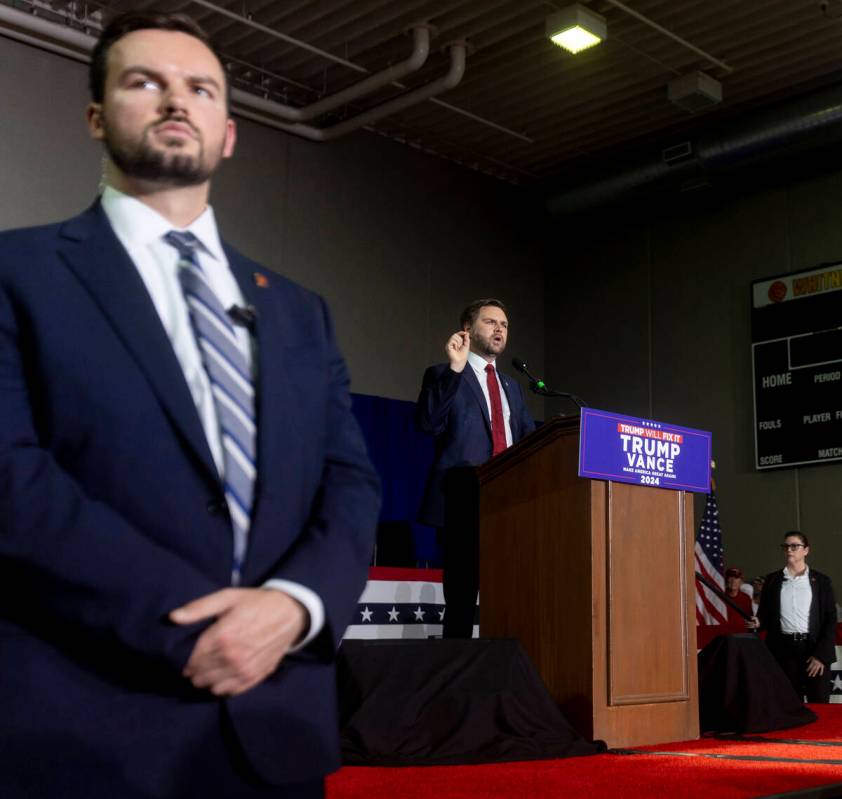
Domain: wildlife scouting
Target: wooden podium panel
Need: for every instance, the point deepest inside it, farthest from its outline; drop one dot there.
(594, 579)
(645, 577)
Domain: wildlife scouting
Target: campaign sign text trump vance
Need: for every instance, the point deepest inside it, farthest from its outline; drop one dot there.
(628, 449)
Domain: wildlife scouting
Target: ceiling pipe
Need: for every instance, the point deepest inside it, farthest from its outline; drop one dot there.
(15, 24)
(50, 36)
(264, 111)
(244, 20)
(67, 41)
(416, 60)
(795, 126)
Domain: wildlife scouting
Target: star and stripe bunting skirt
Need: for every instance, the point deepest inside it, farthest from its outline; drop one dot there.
(400, 603)
(836, 670)
(409, 604)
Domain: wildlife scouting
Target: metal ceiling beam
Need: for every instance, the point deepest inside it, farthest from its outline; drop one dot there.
(358, 35)
(689, 45)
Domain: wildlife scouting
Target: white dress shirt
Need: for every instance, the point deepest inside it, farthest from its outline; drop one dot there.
(478, 364)
(141, 231)
(796, 596)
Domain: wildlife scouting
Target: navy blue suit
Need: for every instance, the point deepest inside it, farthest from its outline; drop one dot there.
(112, 515)
(452, 408)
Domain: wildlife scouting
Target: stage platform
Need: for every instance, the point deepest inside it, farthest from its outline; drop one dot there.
(798, 762)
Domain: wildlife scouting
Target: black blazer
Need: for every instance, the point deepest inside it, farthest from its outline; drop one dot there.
(822, 624)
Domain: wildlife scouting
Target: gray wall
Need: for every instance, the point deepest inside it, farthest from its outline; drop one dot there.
(653, 318)
(650, 319)
(397, 241)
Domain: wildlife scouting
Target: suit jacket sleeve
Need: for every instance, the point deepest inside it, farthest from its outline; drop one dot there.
(438, 390)
(332, 554)
(527, 423)
(768, 611)
(826, 633)
(67, 559)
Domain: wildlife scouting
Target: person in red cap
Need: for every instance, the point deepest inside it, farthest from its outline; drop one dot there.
(735, 623)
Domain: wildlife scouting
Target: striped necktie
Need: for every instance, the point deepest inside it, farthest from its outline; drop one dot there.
(231, 385)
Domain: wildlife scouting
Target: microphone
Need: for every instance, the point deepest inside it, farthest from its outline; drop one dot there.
(538, 386)
(243, 316)
(535, 385)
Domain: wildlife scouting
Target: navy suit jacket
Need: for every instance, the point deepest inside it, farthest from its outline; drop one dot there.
(452, 407)
(112, 514)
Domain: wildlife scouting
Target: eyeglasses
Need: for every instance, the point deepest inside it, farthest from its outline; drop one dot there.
(787, 547)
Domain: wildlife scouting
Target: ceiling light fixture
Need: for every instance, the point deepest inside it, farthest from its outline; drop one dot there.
(696, 91)
(576, 28)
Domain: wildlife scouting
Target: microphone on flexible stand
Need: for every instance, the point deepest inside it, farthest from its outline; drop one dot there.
(538, 386)
(243, 316)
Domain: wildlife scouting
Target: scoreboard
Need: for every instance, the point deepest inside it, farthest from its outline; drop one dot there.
(796, 333)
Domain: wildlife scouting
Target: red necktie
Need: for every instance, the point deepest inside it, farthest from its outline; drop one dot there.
(498, 426)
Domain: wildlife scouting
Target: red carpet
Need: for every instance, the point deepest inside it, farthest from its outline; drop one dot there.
(701, 768)
(827, 728)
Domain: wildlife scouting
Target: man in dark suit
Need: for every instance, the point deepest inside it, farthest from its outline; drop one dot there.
(462, 405)
(798, 611)
(186, 507)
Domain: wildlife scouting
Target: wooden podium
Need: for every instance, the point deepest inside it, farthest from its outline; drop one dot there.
(596, 581)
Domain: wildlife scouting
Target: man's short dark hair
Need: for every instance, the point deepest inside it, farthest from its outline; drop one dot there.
(470, 314)
(797, 534)
(131, 21)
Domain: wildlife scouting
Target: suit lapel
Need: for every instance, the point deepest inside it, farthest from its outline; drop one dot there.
(92, 251)
(813, 616)
(514, 418)
(776, 600)
(274, 332)
(473, 382)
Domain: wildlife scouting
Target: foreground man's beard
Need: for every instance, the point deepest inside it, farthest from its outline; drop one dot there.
(143, 161)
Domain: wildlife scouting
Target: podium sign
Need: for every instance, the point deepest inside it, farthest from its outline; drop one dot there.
(628, 449)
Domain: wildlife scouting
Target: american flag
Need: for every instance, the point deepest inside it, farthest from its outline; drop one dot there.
(710, 609)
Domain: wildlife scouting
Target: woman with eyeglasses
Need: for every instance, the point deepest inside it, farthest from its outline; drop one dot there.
(798, 611)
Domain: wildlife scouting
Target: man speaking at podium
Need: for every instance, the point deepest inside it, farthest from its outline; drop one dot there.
(186, 506)
(474, 412)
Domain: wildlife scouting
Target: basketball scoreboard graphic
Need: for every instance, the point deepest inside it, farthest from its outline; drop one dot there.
(797, 360)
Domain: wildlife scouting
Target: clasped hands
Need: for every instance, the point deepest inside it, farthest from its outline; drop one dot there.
(253, 629)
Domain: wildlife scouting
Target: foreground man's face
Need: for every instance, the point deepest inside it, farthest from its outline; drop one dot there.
(164, 115)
